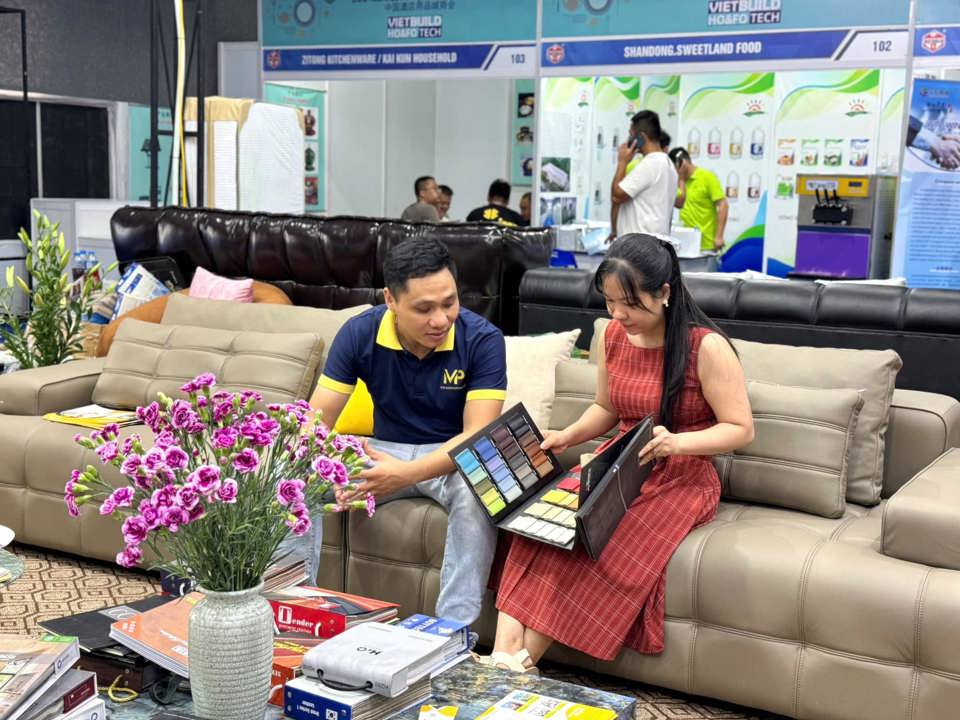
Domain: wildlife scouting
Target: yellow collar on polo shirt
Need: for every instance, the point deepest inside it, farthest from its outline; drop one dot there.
(387, 334)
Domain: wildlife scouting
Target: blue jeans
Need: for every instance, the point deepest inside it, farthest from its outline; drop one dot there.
(471, 537)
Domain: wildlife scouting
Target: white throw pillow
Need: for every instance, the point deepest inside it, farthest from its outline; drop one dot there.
(531, 368)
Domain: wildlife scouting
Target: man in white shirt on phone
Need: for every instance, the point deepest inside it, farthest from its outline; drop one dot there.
(644, 197)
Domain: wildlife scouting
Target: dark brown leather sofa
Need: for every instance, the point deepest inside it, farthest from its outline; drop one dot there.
(332, 262)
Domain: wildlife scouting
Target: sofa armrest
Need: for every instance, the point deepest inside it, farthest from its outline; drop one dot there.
(921, 522)
(36, 391)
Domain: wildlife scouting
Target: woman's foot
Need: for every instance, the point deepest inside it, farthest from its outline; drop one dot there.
(520, 662)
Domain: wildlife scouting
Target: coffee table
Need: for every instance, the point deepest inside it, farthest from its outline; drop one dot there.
(471, 687)
(11, 567)
(474, 688)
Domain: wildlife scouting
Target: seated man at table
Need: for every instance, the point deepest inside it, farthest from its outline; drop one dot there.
(437, 374)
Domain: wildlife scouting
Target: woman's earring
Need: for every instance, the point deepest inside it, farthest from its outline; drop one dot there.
(666, 303)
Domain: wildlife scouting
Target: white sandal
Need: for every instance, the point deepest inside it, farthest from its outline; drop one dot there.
(506, 661)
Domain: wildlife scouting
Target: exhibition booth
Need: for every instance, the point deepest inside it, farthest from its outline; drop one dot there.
(799, 112)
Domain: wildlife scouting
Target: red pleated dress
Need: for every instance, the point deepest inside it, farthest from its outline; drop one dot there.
(600, 607)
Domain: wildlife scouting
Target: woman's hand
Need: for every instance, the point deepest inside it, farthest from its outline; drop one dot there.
(556, 440)
(662, 444)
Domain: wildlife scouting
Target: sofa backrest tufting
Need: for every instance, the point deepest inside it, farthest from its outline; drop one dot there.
(332, 262)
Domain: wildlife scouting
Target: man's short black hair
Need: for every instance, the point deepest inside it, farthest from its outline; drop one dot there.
(499, 190)
(446, 190)
(678, 155)
(665, 140)
(648, 123)
(415, 258)
(420, 182)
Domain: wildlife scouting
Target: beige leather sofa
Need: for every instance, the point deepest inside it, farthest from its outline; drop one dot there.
(808, 616)
(36, 456)
(801, 615)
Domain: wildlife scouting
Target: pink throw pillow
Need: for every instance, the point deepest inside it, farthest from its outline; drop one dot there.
(213, 287)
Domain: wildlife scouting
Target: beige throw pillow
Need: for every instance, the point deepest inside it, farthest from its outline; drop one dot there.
(874, 371)
(798, 457)
(263, 317)
(146, 358)
(531, 369)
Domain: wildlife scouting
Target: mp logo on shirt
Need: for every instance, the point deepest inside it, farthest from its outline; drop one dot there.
(453, 379)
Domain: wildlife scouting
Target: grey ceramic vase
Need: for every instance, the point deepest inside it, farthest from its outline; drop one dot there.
(231, 654)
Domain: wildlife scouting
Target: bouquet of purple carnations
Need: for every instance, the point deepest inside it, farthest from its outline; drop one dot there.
(223, 484)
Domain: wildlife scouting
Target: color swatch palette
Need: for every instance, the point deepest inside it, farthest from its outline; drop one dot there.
(504, 460)
(517, 482)
(524, 490)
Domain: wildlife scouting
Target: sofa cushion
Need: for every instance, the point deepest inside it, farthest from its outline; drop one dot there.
(356, 418)
(531, 367)
(152, 311)
(206, 284)
(873, 371)
(184, 310)
(147, 358)
(798, 457)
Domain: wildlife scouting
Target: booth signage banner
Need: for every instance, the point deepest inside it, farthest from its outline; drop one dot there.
(566, 123)
(928, 220)
(661, 93)
(726, 121)
(616, 100)
(601, 33)
(523, 114)
(936, 45)
(826, 123)
(314, 157)
(485, 37)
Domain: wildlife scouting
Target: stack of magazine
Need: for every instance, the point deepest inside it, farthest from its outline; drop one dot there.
(159, 634)
(308, 699)
(102, 654)
(31, 671)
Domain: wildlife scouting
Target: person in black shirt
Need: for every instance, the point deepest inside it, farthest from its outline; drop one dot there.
(496, 209)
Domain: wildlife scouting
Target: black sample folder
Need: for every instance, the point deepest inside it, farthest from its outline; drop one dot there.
(93, 628)
(523, 489)
(608, 486)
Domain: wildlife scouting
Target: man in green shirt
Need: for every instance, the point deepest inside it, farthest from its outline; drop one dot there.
(701, 200)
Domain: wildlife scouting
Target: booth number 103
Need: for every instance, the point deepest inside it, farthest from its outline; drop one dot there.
(518, 58)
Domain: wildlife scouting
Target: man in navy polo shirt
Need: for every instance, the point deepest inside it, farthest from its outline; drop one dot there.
(437, 373)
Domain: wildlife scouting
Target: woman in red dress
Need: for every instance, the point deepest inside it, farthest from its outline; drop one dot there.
(658, 340)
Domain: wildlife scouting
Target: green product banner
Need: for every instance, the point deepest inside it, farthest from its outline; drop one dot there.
(827, 123)
(312, 102)
(523, 114)
(726, 121)
(661, 93)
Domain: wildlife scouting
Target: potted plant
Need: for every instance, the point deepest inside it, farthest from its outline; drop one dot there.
(52, 331)
(222, 486)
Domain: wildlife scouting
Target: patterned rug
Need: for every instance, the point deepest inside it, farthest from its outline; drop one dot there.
(54, 585)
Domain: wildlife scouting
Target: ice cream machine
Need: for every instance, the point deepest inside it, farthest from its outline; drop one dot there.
(844, 226)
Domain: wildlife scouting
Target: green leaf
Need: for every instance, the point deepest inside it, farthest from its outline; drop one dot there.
(10, 276)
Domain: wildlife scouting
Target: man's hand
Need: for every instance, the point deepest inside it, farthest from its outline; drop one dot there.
(947, 151)
(718, 242)
(626, 152)
(387, 476)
